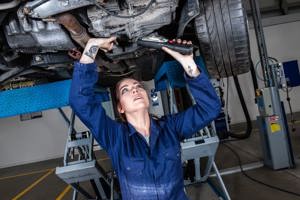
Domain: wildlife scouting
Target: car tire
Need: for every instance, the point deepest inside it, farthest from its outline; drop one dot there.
(222, 32)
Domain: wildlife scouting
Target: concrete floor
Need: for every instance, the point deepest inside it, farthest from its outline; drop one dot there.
(38, 180)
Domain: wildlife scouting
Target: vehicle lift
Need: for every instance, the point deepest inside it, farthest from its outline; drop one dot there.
(85, 168)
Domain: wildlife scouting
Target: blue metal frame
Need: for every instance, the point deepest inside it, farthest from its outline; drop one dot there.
(171, 72)
(56, 95)
(33, 99)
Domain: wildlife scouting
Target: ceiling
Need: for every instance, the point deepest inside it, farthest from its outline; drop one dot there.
(275, 7)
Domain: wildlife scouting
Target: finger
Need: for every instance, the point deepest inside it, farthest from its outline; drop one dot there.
(179, 40)
(171, 52)
(111, 39)
(111, 46)
(105, 42)
(189, 42)
(184, 42)
(116, 42)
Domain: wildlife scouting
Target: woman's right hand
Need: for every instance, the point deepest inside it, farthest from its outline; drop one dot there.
(187, 61)
(92, 47)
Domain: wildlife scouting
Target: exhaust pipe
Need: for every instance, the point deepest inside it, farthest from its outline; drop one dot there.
(8, 5)
(78, 32)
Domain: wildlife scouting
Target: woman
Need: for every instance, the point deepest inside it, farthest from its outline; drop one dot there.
(145, 152)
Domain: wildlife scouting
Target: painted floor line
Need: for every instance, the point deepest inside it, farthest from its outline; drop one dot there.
(24, 174)
(37, 172)
(63, 193)
(32, 185)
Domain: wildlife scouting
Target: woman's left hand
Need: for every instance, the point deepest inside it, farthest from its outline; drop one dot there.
(187, 61)
(92, 47)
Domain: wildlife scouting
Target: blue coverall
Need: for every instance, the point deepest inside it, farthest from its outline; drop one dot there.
(145, 172)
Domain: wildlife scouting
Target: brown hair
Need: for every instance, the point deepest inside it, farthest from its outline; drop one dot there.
(117, 94)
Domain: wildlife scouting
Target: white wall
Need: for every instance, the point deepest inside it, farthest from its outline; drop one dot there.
(34, 140)
(38, 139)
(283, 43)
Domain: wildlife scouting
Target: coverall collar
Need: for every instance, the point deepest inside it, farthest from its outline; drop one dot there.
(154, 128)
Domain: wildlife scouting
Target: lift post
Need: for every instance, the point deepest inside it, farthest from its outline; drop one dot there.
(272, 120)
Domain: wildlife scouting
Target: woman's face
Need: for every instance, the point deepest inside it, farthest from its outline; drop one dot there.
(132, 96)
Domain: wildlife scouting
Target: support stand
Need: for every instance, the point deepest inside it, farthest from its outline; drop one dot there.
(80, 165)
(204, 144)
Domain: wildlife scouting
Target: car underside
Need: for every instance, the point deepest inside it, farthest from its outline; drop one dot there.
(41, 39)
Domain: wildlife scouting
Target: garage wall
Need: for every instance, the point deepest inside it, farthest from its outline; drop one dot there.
(33, 140)
(282, 43)
(44, 138)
